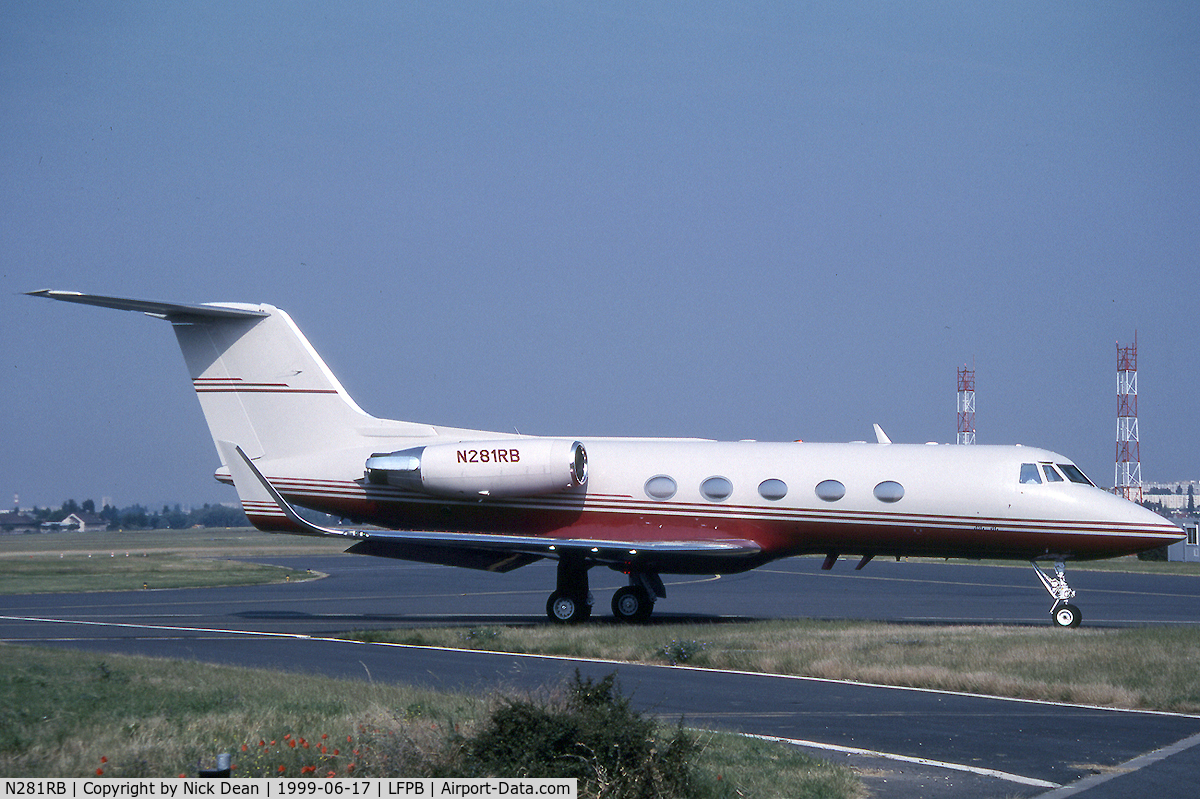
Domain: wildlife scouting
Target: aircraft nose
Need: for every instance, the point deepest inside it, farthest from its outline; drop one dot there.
(1159, 531)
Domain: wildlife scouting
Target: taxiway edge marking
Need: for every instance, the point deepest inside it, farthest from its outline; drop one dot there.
(797, 678)
(922, 761)
(567, 658)
(1128, 767)
(130, 625)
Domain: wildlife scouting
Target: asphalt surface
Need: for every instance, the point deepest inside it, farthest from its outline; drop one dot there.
(907, 743)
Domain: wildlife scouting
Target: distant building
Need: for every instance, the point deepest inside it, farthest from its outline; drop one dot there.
(1187, 550)
(1172, 496)
(17, 522)
(83, 522)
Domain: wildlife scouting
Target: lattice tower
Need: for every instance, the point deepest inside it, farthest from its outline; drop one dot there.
(1128, 482)
(966, 406)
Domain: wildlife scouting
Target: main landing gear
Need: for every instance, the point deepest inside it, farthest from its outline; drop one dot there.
(1063, 613)
(571, 601)
(635, 602)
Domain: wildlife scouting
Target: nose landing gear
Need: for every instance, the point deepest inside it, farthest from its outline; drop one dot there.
(1063, 613)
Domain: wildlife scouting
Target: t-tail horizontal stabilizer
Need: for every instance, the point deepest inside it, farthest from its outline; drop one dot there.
(171, 311)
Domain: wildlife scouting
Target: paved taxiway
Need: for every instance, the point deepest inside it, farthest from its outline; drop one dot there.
(1014, 748)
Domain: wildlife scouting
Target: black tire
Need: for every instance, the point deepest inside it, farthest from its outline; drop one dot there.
(1067, 616)
(632, 604)
(567, 609)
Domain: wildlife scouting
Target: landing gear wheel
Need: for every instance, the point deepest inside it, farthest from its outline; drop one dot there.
(1062, 612)
(632, 604)
(1067, 615)
(567, 609)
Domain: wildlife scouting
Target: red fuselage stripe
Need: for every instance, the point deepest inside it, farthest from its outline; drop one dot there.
(779, 532)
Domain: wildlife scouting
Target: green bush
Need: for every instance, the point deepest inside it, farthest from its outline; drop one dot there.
(593, 736)
(1159, 554)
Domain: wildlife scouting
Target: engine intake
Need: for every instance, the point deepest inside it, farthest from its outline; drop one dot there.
(515, 467)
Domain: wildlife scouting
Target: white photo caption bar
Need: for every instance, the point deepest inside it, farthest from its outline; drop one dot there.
(268, 787)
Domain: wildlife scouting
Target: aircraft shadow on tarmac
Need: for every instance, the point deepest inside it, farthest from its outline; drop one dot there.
(531, 620)
(513, 620)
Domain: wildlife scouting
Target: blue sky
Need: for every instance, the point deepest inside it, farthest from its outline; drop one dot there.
(765, 220)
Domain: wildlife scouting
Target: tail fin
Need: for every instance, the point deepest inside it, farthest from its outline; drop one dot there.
(261, 384)
(259, 381)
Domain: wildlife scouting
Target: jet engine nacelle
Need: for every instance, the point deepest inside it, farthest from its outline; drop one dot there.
(515, 467)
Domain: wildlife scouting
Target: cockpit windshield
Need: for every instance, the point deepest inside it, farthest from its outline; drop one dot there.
(1032, 473)
(1074, 474)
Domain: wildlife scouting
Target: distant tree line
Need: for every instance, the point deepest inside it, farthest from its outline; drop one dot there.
(1164, 490)
(138, 517)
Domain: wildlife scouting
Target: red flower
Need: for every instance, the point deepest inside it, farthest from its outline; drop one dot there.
(282, 769)
(292, 744)
(99, 772)
(324, 735)
(349, 767)
(243, 747)
(331, 774)
(103, 759)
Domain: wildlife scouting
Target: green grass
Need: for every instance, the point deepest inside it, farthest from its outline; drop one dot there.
(125, 561)
(1132, 668)
(121, 573)
(1144, 668)
(73, 714)
(198, 541)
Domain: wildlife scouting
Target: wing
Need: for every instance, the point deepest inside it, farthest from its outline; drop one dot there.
(271, 511)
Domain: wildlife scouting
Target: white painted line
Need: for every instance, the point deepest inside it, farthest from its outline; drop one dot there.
(799, 678)
(252, 633)
(608, 661)
(1128, 767)
(922, 761)
(1138, 762)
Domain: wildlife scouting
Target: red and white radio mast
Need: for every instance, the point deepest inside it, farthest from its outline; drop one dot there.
(1128, 481)
(966, 406)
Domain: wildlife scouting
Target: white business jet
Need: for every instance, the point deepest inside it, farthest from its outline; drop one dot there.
(289, 434)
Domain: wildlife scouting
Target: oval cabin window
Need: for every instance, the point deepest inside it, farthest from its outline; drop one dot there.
(830, 490)
(772, 489)
(716, 488)
(660, 487)
(889, 491)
